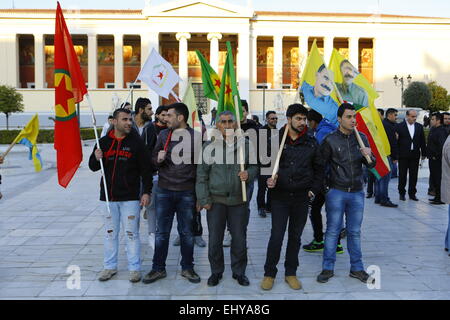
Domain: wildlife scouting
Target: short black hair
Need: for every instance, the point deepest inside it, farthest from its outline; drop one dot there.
(141, 103)
(125, 104)
(381, 111)
(295, 108)
(119, 110)
(343, 107)
(255, 118)
(313, 115)
(446, 113)
(268, 113)
(439, 116)
(244, 104)
(390, 111)
(160, 109)
(110, 117)
(180, 109)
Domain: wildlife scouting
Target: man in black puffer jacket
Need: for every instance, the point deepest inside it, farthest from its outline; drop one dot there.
(126, 162)
(299, 178)
(341, 151)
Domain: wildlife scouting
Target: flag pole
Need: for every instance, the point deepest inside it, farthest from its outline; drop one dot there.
(175, 96)
(9, 149)
(280, 151)
(131, 89)
(94, 124)
(358, 136)
(241, 152)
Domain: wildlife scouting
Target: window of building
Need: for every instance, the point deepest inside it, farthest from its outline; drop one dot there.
(291, 76)
(105, 59)
(264, 62)
(131, 58)
(26, 60)
(366, 58)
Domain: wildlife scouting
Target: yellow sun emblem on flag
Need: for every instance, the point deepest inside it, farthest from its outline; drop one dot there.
(64, 100)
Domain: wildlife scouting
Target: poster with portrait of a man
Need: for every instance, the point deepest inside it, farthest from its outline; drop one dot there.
(349, 90)
(317, 86)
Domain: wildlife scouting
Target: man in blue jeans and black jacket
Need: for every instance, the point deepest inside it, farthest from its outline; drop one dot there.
(341, 151)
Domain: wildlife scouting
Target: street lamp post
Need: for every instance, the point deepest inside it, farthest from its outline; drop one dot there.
(400, 81)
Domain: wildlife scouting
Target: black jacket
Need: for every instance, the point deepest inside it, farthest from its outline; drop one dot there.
(126, 161)
(263, 144)
(177, 177)
(404, 141)
(158, 128)
(301, 168)
(389, 127)
(436, 141)
(342, 153)
(148, 135)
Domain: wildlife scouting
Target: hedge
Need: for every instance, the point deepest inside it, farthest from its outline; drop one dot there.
(45, 135)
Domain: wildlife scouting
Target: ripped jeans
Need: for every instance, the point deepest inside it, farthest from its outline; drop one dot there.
(127, 213)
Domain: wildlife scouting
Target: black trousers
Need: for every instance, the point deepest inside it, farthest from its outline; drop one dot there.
(436, 176)
(371, 180)
(315, 215)
(197, 224)
(237, 219)
(296, 212)
(408, 166)
(261, 197)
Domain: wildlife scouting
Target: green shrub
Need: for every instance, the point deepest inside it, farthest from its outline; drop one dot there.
(45, 135)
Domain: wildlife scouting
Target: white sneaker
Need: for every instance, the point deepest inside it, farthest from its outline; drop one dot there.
(151, 240)
(227, 239)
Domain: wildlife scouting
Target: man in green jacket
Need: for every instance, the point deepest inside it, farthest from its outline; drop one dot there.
(219, 191)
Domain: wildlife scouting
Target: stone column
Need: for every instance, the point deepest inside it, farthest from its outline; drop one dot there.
(9, 44)
(254, 61)
(92, 61)
(277, 62)
(39, 61)
(149, 41)
(118, 61)
(327, 49)
(182, 38)
(303, 53)
(214, 38)
(243, 65)
(353, 51)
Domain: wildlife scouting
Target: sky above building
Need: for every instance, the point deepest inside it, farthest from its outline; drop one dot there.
(431, 8)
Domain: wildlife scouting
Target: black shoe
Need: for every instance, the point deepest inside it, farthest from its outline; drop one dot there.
(191, 276)
(413, 198)
(153, 275)
(402, 198)
(389, 204)
(213, 280)
(242, 280)
(324, 276)
(362, 276)
(262, 213)
(437, 202)
(377, 202)
(446, 249)
(369, 195)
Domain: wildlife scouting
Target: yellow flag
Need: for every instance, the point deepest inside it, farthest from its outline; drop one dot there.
(28, 137)
(191, 103)
(368, 113)
(317, 86)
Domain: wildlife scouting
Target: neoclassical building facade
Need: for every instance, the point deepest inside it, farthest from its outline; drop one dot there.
(271, 49)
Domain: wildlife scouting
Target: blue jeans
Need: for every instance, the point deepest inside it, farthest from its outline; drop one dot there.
(352, 204)
(127, 213)
(167, 203)
(447, 236)
(382, 186)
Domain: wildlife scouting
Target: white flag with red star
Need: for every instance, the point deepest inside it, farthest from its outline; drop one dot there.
(159, 74)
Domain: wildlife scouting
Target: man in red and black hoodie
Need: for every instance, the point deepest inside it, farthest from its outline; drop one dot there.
(126, 160)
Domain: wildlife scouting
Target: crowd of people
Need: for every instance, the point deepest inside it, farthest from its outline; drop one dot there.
(156, 170)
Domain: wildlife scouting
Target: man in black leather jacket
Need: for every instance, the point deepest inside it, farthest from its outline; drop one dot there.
(341, 151)
(299, 178)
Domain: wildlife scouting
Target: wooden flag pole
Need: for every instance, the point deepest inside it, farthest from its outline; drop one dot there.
(241, 151)
(131, 89)
(280, 151)
(9, 149)
(94, 124)
(175, 96)
(358, 136)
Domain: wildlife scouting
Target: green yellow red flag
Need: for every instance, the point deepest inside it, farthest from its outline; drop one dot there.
(210, 78)
(69, 90)
(368, 119)
(228, 87)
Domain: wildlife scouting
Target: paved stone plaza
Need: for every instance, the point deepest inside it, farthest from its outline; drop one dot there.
(44, 229)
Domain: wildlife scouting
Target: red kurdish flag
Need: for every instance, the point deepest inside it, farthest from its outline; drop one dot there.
(69, 90)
